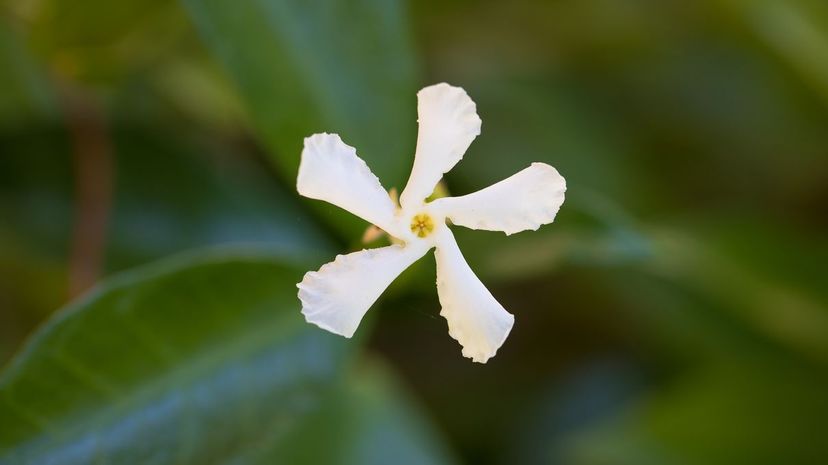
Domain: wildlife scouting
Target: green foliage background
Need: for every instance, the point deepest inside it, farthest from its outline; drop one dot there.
(675, 313)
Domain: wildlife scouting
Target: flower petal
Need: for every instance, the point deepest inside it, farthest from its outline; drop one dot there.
(337, 296)
(448, 125)
(331, 171)
(478, 322)
(523, 201)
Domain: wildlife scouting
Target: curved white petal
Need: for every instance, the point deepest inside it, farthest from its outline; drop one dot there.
(448, 125)
(330, 170)
(478, 322)
(525, 200)
(337, 296)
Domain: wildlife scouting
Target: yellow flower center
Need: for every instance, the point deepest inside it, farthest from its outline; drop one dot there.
(422, 225)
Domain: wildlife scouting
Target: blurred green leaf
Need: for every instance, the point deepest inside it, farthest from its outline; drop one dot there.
(589, 231)
(303, 67)
(171, 192)
(201, 359)
(96, 41)
(24, 90)
(744, 413)
(80, 24)
(201, 194)
(789, 315)
(796, 30)
(369, 422)
(35, 207)
(560, 125)
(197, 359)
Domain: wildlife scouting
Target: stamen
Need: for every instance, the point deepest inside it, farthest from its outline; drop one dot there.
(422, 225)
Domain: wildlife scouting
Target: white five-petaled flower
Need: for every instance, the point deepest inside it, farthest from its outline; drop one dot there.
(338, 295)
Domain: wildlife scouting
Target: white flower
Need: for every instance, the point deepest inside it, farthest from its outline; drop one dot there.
(337, 296)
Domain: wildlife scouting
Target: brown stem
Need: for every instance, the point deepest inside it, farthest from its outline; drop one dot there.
(93, 171)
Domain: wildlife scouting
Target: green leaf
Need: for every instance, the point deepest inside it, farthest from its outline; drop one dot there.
(24, 90)
(202, 192)
(559, 123)
(780, 311)
(589, 231)
(795, 30)
(733, 413)
(324, 66)
(98, 41)
(370, 421)
(193, 360)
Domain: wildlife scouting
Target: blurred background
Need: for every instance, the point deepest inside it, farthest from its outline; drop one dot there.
(676, 312)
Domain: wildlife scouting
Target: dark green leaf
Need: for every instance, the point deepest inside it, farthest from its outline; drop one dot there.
(170, 194)
(730, 414)
(24, 90)
(369, 422)
(195, 360)
(321, 66)
(103, 42)
(201, 195)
